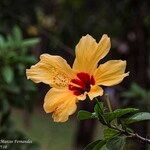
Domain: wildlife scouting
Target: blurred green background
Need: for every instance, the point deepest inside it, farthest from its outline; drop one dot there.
(30, 28)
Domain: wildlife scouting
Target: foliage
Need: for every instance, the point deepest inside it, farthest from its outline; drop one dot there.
(116, 124)
(16, 91)
(138, 94)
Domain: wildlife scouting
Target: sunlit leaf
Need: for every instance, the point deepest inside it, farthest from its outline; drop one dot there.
(141, 116)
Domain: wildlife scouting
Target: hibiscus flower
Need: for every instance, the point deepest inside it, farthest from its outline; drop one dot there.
(70, 85)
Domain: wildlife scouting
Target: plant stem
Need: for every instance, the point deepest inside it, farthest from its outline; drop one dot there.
(145, 140)
(108, 102)
(122, 131)
(131, 135)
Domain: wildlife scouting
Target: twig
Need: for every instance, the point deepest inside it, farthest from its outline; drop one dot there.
(131, 135)
(145, 140)
(122, 131)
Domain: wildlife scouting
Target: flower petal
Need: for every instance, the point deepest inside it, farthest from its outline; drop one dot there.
(61, 103)
(89, 52)
(82, 97)
(110, 73)
(95, 91)
(85, 51)
(52, 70)
(103, 47)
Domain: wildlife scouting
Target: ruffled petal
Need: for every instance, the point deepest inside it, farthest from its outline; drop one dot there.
(52, 70)
(89, 52)
(95, 91)
(110, 73)
(61, 103)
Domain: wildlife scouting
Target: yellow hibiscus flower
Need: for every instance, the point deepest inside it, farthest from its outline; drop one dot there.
(69, 85)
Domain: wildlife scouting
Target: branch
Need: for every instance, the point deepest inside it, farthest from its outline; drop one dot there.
(132, 135)
(145, 140)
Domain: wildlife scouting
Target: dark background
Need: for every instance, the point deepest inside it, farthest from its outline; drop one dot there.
(30, 28)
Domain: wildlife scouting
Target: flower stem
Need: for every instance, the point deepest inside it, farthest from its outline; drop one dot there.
(108, 102)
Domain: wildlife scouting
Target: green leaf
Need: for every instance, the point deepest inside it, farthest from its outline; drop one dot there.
(99, 109)
(21, 68)
(116, 143)
(83, 115)
(14, 89)
(118, 113)
(17, 34)
(29, 86)
(2, 41)
(109, 133)
(30, 42)
(135, 91)
(128, 94)
(129, 130)
(141, 116)
(96, 145)
(4, 105)
(136, 88)
(33, 146)
(27, 59)
(7, 73)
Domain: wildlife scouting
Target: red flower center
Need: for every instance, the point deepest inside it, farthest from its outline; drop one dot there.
(81, 84)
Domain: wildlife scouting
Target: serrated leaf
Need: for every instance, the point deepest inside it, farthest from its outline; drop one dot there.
(109, 133)
(96, 145)
(83, 115)
(116, 143)
(141, 116)
(7, 74)
(118, 113)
